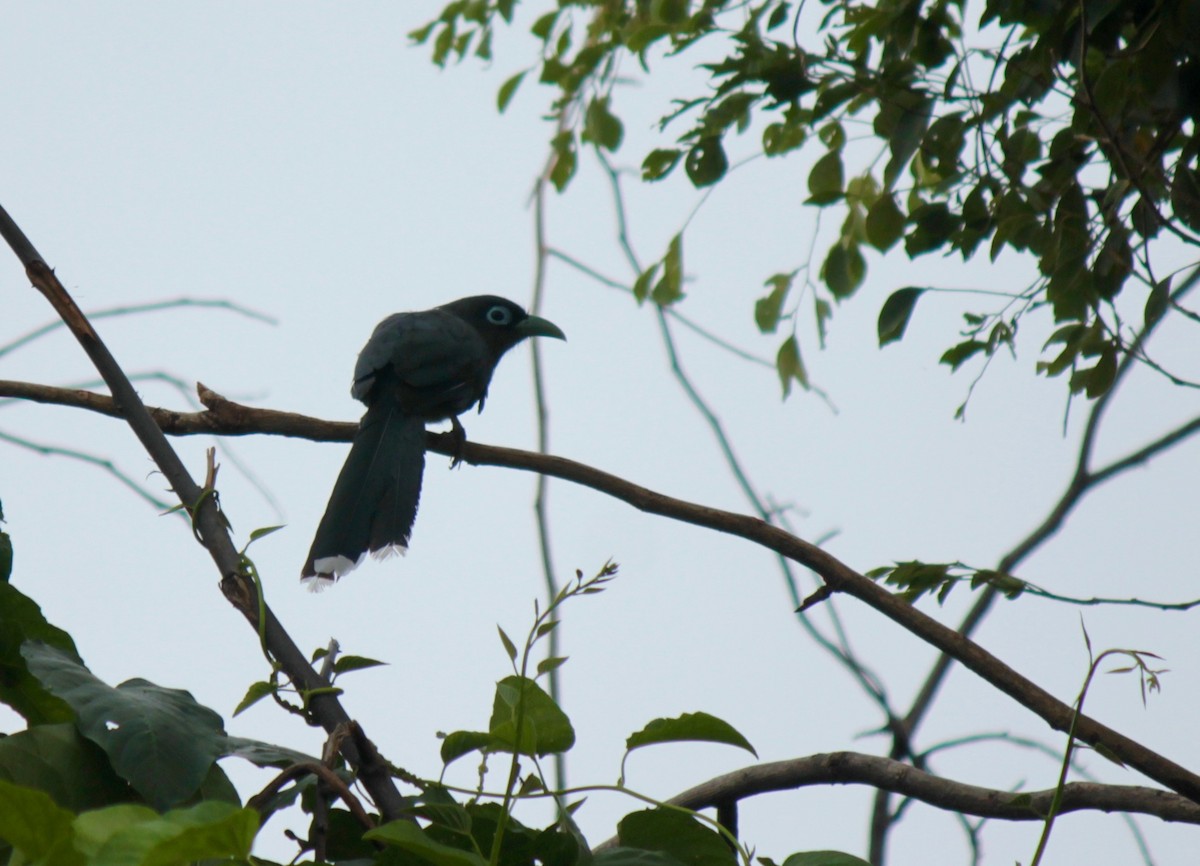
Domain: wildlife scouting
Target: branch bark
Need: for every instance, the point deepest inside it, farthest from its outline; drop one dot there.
(838, 576)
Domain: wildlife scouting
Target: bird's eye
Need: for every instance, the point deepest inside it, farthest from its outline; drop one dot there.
(498, 315)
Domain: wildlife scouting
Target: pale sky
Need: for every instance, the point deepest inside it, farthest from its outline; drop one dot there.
(303, 161)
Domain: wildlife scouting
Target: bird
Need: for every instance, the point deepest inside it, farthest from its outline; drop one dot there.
(417, 368)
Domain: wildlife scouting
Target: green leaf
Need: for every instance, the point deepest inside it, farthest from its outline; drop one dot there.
(1185, 196)
(508, 90)
(20, 620)
(1157, 302)
(958, 355)
(601, 126)
(57, 760)
(459, 743)
(780, 138)
(345, 664)
(894, 316)
(690, 727)
(706, 162)
(659, 163)
(407, 836)
(826, 181)
(844, 269)
(544, 25)
(543, 728)
(37, 828)
(160, 740)
(509, 647)
(885, 223)
(564, 160)
(619, 855)
(262, 754)
(767, 309)
(669, 289)
(641, 288)
(135, 836)
(549, 664)
(677, 834)
(263, 532)
(790, 367)
(254, 694)
(824, 858)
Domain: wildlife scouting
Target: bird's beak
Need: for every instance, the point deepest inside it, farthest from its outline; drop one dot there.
(536, 326)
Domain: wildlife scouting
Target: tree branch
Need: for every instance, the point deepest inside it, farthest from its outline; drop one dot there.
(208, 522)
(838, 576)
(842, 768)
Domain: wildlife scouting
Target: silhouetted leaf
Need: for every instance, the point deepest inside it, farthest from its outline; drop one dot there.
(894, 316)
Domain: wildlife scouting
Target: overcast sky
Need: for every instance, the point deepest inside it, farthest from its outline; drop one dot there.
(301, 160)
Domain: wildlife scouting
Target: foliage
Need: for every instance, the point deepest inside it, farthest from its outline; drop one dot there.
(1066, 131)
(130, 774)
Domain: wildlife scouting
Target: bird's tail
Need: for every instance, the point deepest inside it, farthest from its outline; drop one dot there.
(374, 501)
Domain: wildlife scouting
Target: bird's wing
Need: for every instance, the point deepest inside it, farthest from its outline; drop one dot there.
(434, 352)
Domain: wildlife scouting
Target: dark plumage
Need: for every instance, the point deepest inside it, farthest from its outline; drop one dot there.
(416, 368)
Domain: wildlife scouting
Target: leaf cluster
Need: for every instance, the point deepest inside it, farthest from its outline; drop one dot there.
(1063, 131)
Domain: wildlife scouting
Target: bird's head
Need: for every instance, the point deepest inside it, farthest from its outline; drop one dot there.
(501, 323)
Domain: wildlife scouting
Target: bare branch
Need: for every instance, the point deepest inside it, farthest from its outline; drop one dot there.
(836, 574)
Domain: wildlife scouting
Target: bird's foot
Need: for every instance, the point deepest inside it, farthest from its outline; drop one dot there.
(460, 442)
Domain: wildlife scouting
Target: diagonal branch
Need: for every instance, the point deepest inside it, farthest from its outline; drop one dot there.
(208, 523)
(838, 576)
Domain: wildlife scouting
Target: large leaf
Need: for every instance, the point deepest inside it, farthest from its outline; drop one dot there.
(894, 316)
(690, 727)
(40, 830)
(677, 834)
(137, 836)
(160, 740)
(521, 703)
(21, 620)
(409, 837)
(56, 759)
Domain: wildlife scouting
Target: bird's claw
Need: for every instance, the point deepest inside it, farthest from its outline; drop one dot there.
(460, 442)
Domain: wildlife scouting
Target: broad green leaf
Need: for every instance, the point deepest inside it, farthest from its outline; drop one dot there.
(543, 728)
(93, 829)
(459, 743)
(160, 740)
(37, 828)
(826, 181)
(658, 163)
(894, 316)
(254, 694)
(206, 831)
(508, 90)
(690, 727)
(677, 834)
(767, 309)
(544, 25)
(20, 620)
(824, 858)
(56, 759)
(669, 289)
(706, 162)
(407, 836)
(790, 367)
(843, 269)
